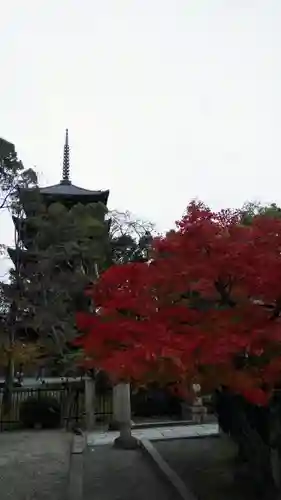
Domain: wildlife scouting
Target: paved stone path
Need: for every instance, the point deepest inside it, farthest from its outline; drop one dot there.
(34, 465)
(113, 474)
(156, 433)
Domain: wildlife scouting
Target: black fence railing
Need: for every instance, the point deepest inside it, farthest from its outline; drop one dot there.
(69, 412)
(104, 406)
(71, 400)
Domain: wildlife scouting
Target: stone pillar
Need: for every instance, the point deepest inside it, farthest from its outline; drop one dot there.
(90, 403)
(198, 410)
(114, 425)
(122, 414)
(117, 403)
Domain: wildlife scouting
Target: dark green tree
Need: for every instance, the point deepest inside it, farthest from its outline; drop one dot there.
(61, 252)
(13, 178)
(251, 209)
(130, 238)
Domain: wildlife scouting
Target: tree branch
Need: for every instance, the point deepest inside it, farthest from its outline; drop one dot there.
(224, 290)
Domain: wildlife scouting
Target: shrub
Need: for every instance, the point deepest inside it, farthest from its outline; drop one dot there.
(44, 411)
(155, 402)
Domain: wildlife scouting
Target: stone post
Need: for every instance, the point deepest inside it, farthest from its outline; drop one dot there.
(198, 410)
(122, 414)
(117, 402)
(90, 403)
(114, 425)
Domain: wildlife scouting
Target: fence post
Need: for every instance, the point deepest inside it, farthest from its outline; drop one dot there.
(90, 396)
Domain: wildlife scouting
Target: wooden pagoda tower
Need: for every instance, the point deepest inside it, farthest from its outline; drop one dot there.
(65, 193)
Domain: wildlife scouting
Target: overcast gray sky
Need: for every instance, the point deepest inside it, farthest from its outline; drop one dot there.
(165, 100)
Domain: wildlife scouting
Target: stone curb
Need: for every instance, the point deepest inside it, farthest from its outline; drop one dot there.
(75, 475)
(168, 423)
(171, 423)
(165, 470)
(176, 438)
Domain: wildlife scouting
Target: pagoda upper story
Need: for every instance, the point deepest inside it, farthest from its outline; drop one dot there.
(66, 192)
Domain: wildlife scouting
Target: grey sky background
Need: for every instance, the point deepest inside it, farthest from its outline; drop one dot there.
(165, 100)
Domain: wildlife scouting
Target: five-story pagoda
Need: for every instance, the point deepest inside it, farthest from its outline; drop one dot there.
(62, 241)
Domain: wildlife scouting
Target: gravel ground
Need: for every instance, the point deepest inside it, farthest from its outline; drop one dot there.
(206, 465)
(112, 474)
(34, 465)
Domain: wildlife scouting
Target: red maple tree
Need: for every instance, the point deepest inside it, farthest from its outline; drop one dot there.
(204, 310)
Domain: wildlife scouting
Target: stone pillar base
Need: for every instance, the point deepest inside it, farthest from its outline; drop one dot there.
(126, 443)
(198, 414)
(125, 440)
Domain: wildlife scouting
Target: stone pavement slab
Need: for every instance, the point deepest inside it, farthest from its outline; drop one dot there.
(206, 467)
(34, 465)
(113, 474)
(156, 433)
(190, 431)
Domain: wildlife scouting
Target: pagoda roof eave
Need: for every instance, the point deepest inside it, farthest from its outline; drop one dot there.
(68, 191)
(22, 255)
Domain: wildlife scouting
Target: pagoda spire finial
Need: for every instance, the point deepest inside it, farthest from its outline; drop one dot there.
(66, 163)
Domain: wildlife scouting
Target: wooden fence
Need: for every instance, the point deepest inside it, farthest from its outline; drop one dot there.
(73, 413)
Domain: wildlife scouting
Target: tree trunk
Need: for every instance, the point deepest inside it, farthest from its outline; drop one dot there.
(10, 369)
(8, 388)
